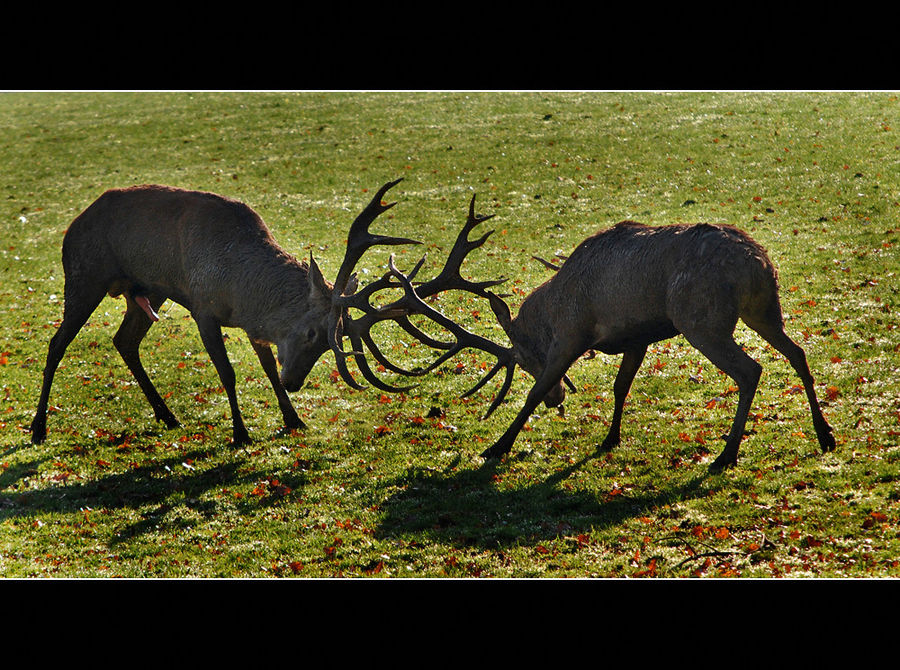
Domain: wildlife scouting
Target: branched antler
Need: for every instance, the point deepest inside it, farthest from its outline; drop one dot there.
(359, 240)
(464, 338)
(450, 277)
(345, 296)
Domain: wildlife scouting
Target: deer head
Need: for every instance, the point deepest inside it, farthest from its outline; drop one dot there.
(329, 321)
(321, 327)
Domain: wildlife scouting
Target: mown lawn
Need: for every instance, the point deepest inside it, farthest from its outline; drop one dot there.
(383, 485)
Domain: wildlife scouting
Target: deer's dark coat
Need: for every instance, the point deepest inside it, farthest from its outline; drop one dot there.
(632, 285)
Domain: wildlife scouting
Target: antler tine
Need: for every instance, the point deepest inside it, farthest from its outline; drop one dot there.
(547, 264)
(450, 276)
(366, 371)
(423, 337)
(550, 265)
(340, 360)
(464, 338)
(359, 239)
(501, 394)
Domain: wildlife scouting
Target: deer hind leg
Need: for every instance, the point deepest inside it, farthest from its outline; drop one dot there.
(80, 302)
(706, 314)
(267, 360)
(726, 355)
(731, 359)
(631, 361)
(127, 341)
(211, 334)
(770, 326)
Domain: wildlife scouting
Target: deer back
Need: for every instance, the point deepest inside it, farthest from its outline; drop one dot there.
(620, 286)
(199, 249)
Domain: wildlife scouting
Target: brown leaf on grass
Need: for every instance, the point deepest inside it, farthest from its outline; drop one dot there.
(583, 540)
(333, 547)
(874, 518)
(650, 571)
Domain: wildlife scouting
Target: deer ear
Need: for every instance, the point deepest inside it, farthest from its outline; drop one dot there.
(501, 311)
(317, 284)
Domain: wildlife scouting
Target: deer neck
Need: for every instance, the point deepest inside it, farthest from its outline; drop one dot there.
(269, 299)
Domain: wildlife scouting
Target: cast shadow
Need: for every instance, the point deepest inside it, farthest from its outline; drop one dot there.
(466, 508)
(162, 490)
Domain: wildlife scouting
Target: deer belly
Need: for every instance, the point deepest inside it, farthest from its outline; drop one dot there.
(637, 336)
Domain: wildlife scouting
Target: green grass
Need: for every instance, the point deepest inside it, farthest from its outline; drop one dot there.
(375, 486)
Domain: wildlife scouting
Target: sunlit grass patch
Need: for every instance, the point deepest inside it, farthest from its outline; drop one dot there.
(391, 485)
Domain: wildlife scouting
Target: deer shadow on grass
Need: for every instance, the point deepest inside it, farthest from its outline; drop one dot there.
(165, 490)
(466, 508)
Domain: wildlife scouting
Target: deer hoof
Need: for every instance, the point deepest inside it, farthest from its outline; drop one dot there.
(495, 451)
(294, 422)
(38, 432)
(721, 463)
(240, 439)
(607, 445)
(170, 421)
(827, 442)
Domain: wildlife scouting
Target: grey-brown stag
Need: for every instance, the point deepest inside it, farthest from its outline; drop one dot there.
(631, 285)
(216, 257)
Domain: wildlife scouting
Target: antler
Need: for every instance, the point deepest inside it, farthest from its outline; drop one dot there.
(449, 278)
(464, 339)
(549, 265)
(358, 330)
(359, 240)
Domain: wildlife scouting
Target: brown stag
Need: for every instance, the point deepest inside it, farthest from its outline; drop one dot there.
(216, 257)
(632, 285)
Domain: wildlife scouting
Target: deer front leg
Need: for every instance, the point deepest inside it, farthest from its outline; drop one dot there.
(211, 334)
(267, 360)
(628, 368)
(560, 359)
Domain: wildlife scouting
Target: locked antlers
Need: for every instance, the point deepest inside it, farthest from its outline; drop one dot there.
(358, 330)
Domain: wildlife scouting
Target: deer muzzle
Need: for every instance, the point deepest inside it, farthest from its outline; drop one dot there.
(294, 373)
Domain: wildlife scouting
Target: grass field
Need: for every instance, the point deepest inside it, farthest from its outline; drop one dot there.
(384, 485)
